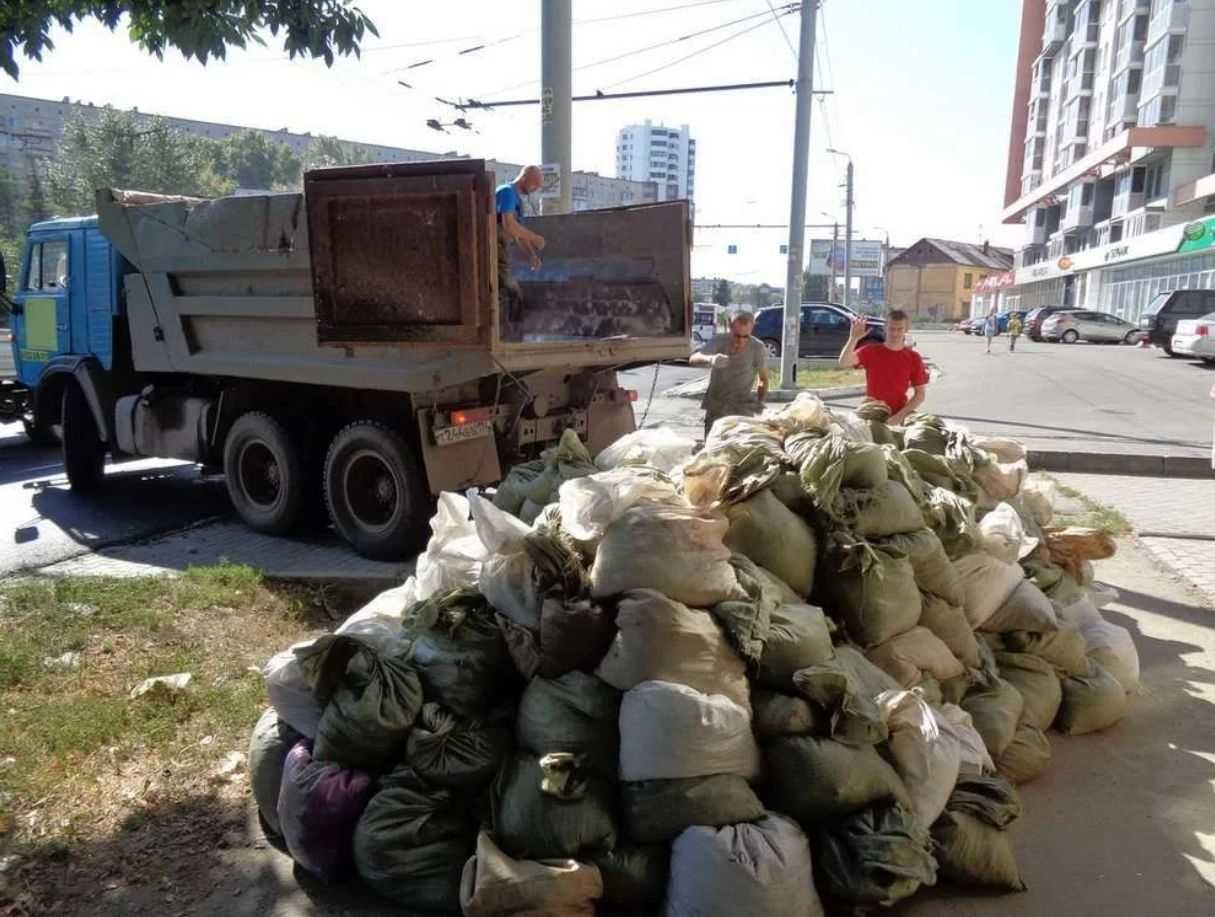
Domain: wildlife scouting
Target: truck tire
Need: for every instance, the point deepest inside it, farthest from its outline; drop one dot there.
(375, 491)
(39, 434)
(265, 473)
(83, 449)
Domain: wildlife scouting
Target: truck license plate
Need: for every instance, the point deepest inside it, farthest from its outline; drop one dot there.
(447, 436)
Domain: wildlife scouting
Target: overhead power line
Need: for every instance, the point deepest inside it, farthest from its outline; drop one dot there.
(788, 41)
(469, 104)
(664, 9)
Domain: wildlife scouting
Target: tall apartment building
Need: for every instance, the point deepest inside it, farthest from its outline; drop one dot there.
(32, 129)
(663, 155)
(1110, 153)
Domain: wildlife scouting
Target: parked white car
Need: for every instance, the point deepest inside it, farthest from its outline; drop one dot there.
(1195, 337)
(1082, 325)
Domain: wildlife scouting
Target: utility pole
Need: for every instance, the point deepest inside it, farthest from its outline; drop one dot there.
(835, 238)
(797, 207)
(556, 79)
(848, 238)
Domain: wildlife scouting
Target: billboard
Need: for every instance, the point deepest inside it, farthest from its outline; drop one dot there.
(866, 257)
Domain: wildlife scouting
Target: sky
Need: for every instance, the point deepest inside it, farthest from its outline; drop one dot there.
(921, 95)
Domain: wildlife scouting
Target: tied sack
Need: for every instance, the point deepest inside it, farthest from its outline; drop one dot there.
(449, 751)
(1113, 648)
(876, 857)
(493, 884)
(668, 731)
(987, 584)
(926, 757)
(1091, 702)
(949, 623)
(657, 447)
(1027, 756)
(915, 655)
(1026, 609)
(873, 591)
(934, 572)
(589, 505)
(769, 533)
(845, 689)
(972, 845)
(576, 713)
(674, 550)
(634, 878)
(996, 711)
(272, 739)
(656, 811)
(888, 509)
(798, 637)
(774, 714)
(811, 778)
(1036, 681)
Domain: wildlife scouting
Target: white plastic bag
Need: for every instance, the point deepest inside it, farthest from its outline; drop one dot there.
(926, 757)
(974, 757)
(1113, 648)
(670, 731)
(589, 505)
(1039, 494)
(1004, 535)
(804, 414)
(658, 447)
(454, 554)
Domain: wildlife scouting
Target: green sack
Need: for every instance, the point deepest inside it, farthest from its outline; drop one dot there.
(832, 462)
(268, 747)
(370, 701)
(575, 713)
(928, 433)
(787, 487)
(519, 481)
(1026, 757)
(992, 800)
(876, 857)
(634, 878)
(573, 634)
(552, 808)
(885, 510)
(899, 469)
(448, 751)
(972, 853)
(873, 591)
(811, 778)
(774, 714)
(1093, 701)
(656, 811)
(798, 637)
(845, 689)
(1038, 684)
(411, 842)
(769, 533)
(938, 472)
(934, 572)
(996, 711)
(949, 623)
(1064, 648)
(952, 517)
(745, 622)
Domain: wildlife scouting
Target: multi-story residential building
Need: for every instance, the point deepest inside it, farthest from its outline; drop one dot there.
(663, 155)
(937, 279)
(32, 129)
(1110, 156)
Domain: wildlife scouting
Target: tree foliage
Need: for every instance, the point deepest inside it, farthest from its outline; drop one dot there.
(199, 29)
(721, 295)
(253, 161)
(329, 151)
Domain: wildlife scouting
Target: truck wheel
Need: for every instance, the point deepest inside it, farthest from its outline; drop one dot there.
(375, 492)
(38, 434)
(265, 473)
(83, 449)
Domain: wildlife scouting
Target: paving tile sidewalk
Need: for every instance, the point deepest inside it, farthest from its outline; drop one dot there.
(1174, 519)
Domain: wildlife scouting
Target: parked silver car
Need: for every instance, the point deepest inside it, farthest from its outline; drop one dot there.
(1082, 325)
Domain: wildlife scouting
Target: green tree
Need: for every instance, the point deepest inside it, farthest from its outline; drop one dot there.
(254, 161)
(721, 295)
(329, 151)
(199, 29)
(36, 205)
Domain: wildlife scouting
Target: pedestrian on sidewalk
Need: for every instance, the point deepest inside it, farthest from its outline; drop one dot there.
(1014, 331)
(736, 361)
(891, 368)
(990, 326)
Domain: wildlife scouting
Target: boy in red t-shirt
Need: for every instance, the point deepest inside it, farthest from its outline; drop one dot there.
(890, 368)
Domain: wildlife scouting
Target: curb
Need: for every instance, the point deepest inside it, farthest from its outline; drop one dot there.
(1156, 466)
(779, 395)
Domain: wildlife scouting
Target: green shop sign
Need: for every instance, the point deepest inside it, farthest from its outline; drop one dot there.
(1198, 236)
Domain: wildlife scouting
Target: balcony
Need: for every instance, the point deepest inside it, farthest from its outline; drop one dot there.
(1172, 17)
(1053, 35)
(1030, 180)
(1129, 8)
(1124, 202)
(1129, 55)
(1076, 219)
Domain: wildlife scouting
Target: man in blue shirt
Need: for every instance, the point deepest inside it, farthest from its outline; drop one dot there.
(508, 201)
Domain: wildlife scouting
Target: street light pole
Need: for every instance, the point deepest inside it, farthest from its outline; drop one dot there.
(797, 206)
(556, 82)
(835, 239)
(848, 240)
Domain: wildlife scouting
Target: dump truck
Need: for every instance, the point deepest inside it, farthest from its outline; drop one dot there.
(341, 352)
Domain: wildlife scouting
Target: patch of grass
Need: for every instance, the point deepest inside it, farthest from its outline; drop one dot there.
(1094, 515)
(820, 378)
(72, 742)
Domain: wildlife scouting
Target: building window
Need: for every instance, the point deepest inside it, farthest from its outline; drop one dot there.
(967, 281)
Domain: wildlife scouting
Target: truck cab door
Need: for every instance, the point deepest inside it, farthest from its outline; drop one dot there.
(42, 319)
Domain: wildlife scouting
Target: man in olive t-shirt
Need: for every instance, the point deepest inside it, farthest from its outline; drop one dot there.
(736, 360)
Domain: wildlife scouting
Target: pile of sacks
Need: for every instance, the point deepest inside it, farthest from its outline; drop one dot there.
(800, 667)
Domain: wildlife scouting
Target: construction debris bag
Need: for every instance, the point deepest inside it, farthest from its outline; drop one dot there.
(454, 553)
(1038, 684)
(873, 858)
(952, 517)
(972, 853)
(996, 711)
(934, 572)
(573, 634)
(493, 884)
(319, 804)
(804, 414)
(925, 757)
(660, 639)
(1064, 648)
(575, 713)
(370, 701)
(589, 505)
(741, 456)
(992, 800)
(949, 623)
(774, 714)
(552, 806)
(1025, 609)
(798, 637)
(1113, 648)
(873, 591)
(928, 433)
(938, 472)
(783, 589)
(655, 811)
(758, 868)
(668, 731)
(521, 480)
(1093, 701)
(1004, 535)
(987, 584)
(537, 482)
(460, 654)
(845, 689)
(674, 550)
(634, 878)
(974, 758)
(746, 622)
(1039, 495)
(787, 487)
(657, 447)
(831, 463)
(1001, 480)
(448, 751)
(1027, 756)
(913, 655)
(1005, 450)
(412, 841)
(882, 511)
(269, 744)
(811, 778)
(769, 533)
(801, 445)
